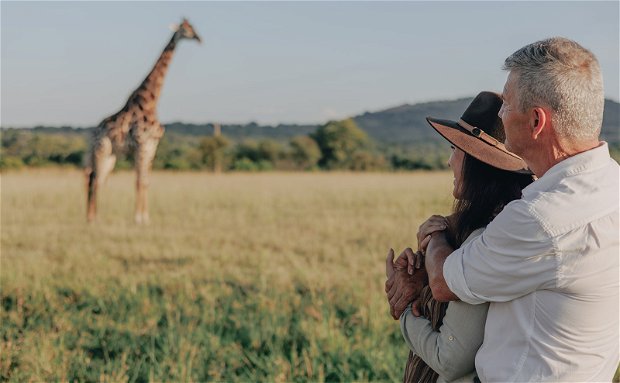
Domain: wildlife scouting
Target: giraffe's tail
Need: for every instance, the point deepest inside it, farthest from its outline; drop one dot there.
(91, 190)
(87, 171)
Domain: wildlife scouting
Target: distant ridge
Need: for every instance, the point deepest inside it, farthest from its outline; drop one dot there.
(402, 125)
(406, 124)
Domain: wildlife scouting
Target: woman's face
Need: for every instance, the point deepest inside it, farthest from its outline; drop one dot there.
(456, 164)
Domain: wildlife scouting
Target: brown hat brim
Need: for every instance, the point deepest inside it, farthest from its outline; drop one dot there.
(478, 148)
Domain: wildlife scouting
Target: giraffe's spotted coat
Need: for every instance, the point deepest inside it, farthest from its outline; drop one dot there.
(135, 127)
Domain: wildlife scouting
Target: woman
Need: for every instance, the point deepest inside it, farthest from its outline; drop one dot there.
(444, 339)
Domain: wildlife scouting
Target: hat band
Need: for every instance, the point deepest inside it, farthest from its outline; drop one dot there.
(481, 134)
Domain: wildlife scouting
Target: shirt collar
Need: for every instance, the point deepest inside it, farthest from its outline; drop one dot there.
(588, 160)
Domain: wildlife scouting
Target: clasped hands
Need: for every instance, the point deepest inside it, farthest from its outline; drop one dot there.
(406, 277)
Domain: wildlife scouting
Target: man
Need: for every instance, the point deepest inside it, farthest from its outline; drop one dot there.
(549, 262)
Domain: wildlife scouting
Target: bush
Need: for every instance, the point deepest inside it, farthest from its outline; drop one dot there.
(403, 163)
(364, 161)
(247, 165)
(258, 156)
(213, 152)
(339, 142)
(305, 152)
(11, 162)
(177, 163)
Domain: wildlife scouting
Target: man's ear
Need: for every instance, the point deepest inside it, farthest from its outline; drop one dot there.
(539, 120)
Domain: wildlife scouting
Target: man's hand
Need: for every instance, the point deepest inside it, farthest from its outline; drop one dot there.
(402, 287)
(431, 225)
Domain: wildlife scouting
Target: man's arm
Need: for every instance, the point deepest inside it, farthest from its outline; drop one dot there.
(513, 257)
(436, 253)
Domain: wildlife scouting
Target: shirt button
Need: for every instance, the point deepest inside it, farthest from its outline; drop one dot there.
(451, 337)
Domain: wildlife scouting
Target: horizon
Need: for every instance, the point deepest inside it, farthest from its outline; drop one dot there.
(275, 63)
(273, 125)
(368, 110)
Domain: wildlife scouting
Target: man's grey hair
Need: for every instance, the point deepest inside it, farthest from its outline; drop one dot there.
(560, 74)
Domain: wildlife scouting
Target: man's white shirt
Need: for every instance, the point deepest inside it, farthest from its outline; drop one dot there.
(549, 265)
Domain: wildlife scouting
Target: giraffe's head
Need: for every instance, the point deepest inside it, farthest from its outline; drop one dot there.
(186, 31)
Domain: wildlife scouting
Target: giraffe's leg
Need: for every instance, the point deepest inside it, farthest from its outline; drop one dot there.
(107, 165)
(144, 161)
(101, 159)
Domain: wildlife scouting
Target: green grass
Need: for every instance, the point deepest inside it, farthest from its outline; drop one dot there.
(239, 277)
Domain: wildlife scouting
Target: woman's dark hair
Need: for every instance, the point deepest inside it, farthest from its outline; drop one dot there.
(483, 193)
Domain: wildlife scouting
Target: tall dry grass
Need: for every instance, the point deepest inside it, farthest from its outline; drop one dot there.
(239, 277)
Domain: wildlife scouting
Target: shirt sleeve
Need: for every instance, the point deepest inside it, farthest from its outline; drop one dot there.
(450, 351)
(513, 257)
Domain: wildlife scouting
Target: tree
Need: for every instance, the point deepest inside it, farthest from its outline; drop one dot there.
(366, 160)
(339, 141)
(305, 152)
(213, 151)
(264, 154)
(269, 150)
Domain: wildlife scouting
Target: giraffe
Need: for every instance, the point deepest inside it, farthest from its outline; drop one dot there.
(136, 127)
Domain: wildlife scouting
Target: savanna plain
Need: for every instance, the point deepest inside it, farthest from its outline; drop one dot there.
(239, 277)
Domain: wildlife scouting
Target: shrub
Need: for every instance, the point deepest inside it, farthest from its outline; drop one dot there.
(339, 141)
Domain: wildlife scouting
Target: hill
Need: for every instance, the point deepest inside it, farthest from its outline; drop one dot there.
(406, 125)
(403, 125)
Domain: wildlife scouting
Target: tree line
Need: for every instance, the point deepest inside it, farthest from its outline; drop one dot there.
(336, 145)
(393, 139)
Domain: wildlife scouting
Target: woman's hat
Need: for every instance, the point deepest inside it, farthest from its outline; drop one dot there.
(474, 132)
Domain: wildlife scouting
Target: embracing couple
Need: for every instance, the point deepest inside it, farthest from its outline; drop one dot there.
(520, 282)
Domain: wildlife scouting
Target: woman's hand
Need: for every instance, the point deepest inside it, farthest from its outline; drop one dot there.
(414, 261)
(431, 225)
(416, 307)
(401, 287)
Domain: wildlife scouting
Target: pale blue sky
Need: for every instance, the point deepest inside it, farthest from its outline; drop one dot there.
(74, 63)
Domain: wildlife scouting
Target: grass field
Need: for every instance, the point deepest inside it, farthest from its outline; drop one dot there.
(239, 277)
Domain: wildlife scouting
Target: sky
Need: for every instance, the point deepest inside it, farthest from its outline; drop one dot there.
(74, 63)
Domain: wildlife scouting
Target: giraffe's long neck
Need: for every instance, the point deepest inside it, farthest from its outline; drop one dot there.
(149, 91)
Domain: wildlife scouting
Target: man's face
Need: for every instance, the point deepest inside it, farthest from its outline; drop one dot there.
(515, 122)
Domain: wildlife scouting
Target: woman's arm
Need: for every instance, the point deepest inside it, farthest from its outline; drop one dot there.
(451, 350)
